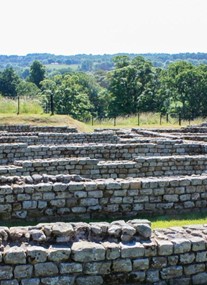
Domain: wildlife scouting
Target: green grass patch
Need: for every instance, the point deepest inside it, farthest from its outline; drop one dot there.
(27, 106)
(145, 120)
(186, 219)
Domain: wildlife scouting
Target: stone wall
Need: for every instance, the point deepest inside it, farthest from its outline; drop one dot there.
(94, 168)
(58, 138)
(49, 198)
(30, 128)
(99, 254)
(123, 151)
(49, 177)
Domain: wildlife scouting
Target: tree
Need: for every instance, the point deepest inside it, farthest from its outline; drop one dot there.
(28, 89)
(8, 82)
(185, 88)
(37, 73)
(129, 83)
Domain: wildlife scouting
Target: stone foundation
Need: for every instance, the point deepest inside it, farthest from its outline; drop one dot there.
(50, 175)
(79, 254)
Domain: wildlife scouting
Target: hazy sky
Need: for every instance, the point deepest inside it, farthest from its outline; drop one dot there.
(102, 26)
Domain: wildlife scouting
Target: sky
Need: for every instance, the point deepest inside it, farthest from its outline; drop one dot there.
(68, 27)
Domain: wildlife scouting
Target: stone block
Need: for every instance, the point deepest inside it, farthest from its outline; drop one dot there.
(23, 271)
(49, 269)
(6, 272)
(71, 268)
(171, 272)
(84, 251)
(132, 250)
(122, 265)
(36, 254)
(89, 280)
(14, 255)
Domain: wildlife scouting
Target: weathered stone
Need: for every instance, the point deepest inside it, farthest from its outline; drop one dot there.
(187, 258)
(159, 262)
(136, 276)
(132, 250)
(102, 268)
(71, 268)
(152, 276)
(9, 282)
(14, 255)
(6, 272)
(36, 254)
(112, 250)
(23, 271)
(89, 280)
(171, 272)
(49, 269)
(181, 245)
(122, 265)
(31, 281)
(58, 254)
(194, 268)
(199, 278)
(62, 280)
(84, 251)
(37, 235)
(140, 264)
(165, 247)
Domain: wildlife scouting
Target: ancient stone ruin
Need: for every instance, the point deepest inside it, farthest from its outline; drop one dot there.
(83, 195)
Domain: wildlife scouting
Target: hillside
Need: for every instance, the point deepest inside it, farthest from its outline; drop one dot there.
(43, 120)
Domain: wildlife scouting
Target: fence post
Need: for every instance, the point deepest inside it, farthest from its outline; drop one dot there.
(167, 118)
(138, 119)
(179, 119)
(160, 119)
(18, 105)
(51, 104)
(114, 121)
(92, 120)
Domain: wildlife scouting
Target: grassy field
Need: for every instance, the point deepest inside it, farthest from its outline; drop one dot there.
(145, 120)
(43, 120)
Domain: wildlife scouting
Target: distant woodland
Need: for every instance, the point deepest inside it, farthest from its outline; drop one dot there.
(91, 62)
(109, 85)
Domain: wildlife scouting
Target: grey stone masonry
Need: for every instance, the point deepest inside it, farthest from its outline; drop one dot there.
(30, 128)
(58, 138)
(64, 197)
(95, 168)
(98, 253)
(123, 151)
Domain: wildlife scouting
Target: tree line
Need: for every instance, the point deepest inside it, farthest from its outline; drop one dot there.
(134, 85)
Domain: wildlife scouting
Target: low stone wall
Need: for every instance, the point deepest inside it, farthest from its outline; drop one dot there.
(30, 128)
(37, 198)
(123, 151)
(69, 254)
(94, 168)
(59, 138)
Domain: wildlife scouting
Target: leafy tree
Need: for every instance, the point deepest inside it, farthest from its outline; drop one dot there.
(37, 73)
(8, 82)
(185, 87)
(130, 82)
(25, 88)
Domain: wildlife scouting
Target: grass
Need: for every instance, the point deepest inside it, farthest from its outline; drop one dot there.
(26, 106)
(167, 221)
(43, 120)
(146, 120)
